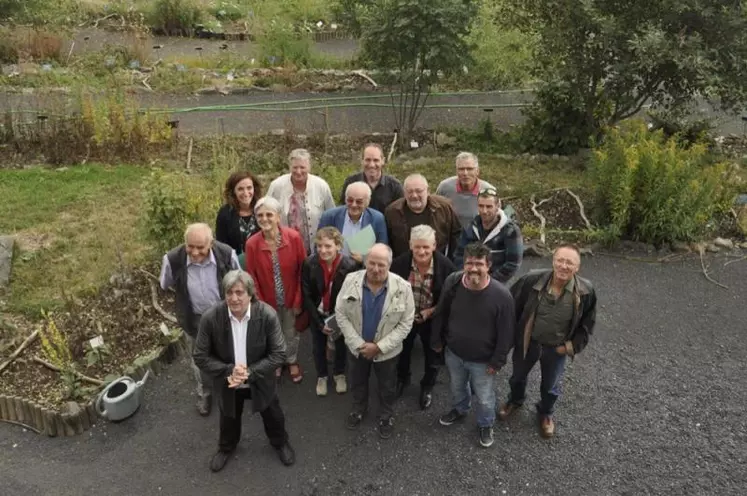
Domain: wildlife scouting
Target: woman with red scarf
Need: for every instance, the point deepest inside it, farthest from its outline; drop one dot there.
(322, 276)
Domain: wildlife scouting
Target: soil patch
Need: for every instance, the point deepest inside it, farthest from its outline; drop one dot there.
(121, 313)
(559, 208)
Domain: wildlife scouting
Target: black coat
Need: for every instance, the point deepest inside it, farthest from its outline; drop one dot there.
(265, 352)
(312, 285)
(442, 267)
(228, 229)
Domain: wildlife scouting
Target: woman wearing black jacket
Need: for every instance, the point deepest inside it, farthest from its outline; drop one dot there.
(236, 221)
(322, 276)
(425, 269)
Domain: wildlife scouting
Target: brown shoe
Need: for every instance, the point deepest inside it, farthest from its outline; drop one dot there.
(547, 427)
(507, 409)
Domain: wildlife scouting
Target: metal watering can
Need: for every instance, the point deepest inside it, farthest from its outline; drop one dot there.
(120, 399)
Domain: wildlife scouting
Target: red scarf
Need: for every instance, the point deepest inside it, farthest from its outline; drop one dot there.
(329, 273)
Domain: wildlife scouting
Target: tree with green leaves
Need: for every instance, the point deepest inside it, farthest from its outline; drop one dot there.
(602, 61)
(417, 42)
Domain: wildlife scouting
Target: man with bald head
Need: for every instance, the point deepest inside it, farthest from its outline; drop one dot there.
(355, 216)
(375, 310)
(385, 188)
(419, 207)
(195, 270)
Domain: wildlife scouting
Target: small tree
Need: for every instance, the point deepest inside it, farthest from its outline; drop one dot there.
(418, 42)
(603, 61)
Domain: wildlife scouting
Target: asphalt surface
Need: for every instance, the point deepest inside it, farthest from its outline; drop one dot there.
(655, 405)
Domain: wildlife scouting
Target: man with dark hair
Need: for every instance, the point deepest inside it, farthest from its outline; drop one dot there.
(240, 345)
(384, 188)
(555, 311)
(474, 321)
(492, 227)
(195, 270)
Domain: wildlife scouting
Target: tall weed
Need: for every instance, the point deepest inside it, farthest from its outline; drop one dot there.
(650, 188)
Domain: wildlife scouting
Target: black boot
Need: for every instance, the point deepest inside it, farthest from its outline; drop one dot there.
(426, 398)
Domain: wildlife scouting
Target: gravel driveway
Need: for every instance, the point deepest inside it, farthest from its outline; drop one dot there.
(655, 405)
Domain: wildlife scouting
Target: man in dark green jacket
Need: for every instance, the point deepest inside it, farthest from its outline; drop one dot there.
(555, 314)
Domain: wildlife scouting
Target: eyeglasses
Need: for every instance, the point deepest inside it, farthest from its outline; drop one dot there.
(488, 192)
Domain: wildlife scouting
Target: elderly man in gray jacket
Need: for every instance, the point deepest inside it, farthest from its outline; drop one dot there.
(240, 345)
(375, 310)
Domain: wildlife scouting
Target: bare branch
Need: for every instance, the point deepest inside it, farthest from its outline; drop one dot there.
(580, 207)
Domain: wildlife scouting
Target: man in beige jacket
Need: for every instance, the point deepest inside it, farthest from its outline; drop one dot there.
(375, 310)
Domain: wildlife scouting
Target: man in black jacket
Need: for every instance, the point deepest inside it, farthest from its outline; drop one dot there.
(555, 312)
(425, 269)
(474, 321)
(240, 345)
(195, 270)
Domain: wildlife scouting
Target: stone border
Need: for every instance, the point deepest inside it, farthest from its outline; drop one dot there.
(18, 411)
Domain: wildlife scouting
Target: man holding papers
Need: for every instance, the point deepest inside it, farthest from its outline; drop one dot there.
(361, 226)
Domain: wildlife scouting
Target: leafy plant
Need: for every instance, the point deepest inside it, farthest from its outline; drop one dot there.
(602, 62)
(97, 355)
(650, 188)
(282, 44)
(56, 350)
(420, 42)
(175, 17)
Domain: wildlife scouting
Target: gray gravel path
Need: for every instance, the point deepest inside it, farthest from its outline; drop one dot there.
(654, 406)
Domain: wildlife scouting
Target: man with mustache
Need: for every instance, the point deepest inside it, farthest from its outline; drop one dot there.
(474, 322)
(555, 312)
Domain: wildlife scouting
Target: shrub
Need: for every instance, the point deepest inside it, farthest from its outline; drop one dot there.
(652, 189)
(280, 43)
(175, 17)
(38, 45)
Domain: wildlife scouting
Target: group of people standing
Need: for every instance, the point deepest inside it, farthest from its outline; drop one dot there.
(436, 269)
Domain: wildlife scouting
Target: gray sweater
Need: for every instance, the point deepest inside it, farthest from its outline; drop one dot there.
(465, 203)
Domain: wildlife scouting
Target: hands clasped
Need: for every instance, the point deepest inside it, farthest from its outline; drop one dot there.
(239, 375)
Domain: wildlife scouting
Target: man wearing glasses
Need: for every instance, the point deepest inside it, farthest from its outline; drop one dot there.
(555, 313)
(493, 228)
(464, 188)
(355, 216)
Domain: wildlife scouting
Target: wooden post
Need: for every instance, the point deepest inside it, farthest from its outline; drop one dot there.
(28, 412)
(67, 422)
(58, 424)
(20, 417)
(93, 417)
(3, 408)
(85, 421)
(77, 422)
(50, 427)
(38, 418)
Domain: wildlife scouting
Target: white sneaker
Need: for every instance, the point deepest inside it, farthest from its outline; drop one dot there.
(321, 386)
(341, 384)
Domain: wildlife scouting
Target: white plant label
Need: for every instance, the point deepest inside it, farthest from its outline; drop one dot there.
(414, 144)
(97, 342)
(165, 329)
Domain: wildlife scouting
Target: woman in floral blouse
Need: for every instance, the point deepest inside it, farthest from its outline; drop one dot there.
(275, 256)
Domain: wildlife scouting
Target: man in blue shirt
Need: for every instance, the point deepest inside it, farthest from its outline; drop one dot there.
(375, 310)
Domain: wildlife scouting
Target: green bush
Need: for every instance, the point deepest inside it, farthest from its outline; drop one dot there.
(175, 17)
(650, 188)
(281, 44)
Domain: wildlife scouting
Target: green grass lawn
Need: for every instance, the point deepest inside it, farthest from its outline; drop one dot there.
(70, 225)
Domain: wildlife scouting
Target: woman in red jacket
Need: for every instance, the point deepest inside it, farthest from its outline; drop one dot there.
(274, 257)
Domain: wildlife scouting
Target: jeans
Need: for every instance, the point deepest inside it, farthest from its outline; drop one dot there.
(552, 367)
(320, 353)
(405, 358)
(386, 375)
(272, 417)
(465, 375)
(204, 381)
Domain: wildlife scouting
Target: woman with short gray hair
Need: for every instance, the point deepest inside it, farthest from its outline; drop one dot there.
(425, 269)
(274, 257)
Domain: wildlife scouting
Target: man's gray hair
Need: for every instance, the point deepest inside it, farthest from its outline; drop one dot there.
(463, 156)
(270, 203)
(423, 232)
(359, 184)
(234, 277)
(199, 226)
(413, 177)
(300, 154)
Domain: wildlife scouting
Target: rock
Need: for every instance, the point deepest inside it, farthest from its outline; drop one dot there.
(72, 408)
(278, 132)
(712, 248)
(444, 140)
(7, 243)
(586, 251)
(636, 246)
(680, 247)
(724, 243)
(744, 245)
(532, 250)
(278, 88)
(207, 91)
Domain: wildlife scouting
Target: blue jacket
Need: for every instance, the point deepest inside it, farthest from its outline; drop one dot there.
(335, 217)
(505, 243)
